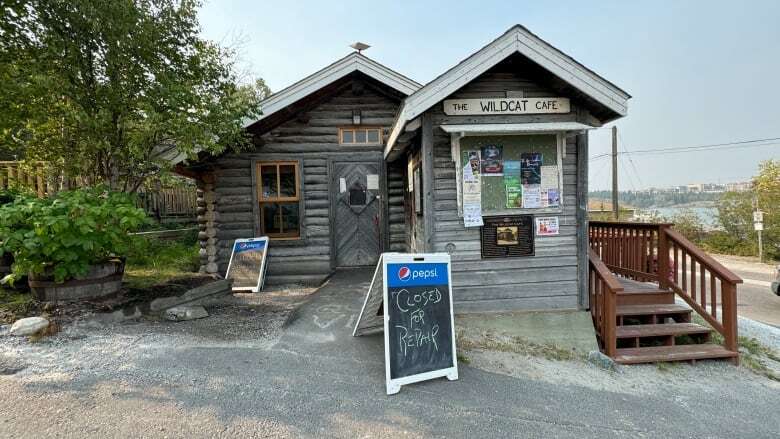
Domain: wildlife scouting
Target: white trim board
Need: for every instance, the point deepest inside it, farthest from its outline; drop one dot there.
(330, 74)
(515, 128)
(517, 39)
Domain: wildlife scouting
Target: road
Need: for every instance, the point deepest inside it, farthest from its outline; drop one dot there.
(754, 298)
(317, 381)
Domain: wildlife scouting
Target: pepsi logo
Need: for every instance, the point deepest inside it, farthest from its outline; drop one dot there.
(404, 273)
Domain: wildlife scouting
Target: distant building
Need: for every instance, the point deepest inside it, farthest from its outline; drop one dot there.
(741, 186)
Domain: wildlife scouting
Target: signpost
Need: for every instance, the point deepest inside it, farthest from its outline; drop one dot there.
(758, 226)
(248, 264)
(410, 297)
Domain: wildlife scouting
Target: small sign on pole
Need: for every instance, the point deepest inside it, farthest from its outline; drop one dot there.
(248, 264)
(410, 297)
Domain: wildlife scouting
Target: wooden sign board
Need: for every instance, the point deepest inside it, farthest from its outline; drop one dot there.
(248, 264)
(508, 236)
(487, 106)
(411, 298)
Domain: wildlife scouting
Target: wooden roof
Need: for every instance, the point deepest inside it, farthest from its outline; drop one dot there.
(520, 40)
(354, 62)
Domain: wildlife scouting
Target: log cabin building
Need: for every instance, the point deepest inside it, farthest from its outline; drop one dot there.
(489, 163)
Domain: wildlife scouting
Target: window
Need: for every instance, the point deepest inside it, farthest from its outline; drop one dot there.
(360, 136)
(279, 197)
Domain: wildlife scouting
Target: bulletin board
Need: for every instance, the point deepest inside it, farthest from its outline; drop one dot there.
(513, 146)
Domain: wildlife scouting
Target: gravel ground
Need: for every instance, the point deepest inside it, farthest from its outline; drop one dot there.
(254, 368)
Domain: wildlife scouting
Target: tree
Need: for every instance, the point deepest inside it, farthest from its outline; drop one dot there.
(735, 213)
(99, 87)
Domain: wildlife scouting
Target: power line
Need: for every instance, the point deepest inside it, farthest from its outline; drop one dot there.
(680, 149)
(633, 165)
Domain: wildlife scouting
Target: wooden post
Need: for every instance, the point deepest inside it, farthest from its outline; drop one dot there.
(582, 219)
(615, 209)
(428, 181)
(663, 257)
(729, 299)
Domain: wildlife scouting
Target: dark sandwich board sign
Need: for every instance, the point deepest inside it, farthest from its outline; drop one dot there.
(410, 297)
(247, 264)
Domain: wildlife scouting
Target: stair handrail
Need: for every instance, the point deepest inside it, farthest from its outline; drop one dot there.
(603, 288)
(677, 279)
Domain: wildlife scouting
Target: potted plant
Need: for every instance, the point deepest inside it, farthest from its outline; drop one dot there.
(71, 245)
(6, 259)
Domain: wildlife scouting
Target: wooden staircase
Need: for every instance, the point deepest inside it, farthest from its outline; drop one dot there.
(633, 289)
(651, 327)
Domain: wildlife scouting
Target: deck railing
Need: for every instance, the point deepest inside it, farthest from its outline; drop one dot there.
(708, 287)
(602, 289)
(657, 253)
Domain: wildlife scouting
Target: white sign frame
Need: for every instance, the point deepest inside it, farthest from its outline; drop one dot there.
(263, 264)
(474, 106)
(393, 386)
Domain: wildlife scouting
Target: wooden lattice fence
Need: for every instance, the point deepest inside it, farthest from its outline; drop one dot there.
(169, 204)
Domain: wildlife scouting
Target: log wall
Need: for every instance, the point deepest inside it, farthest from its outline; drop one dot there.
(552, 277)
(310, 137)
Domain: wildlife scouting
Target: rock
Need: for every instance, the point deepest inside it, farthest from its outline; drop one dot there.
(179, 313)
(29, 326)
(600, 360)
(10, 365)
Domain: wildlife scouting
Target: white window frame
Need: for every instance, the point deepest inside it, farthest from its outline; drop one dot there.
(560, 137)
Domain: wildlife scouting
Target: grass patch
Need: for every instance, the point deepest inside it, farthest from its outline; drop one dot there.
(489, 341)
(462, 358)
(752, 353)
(667, 366)
(152, 261)
(15, 305)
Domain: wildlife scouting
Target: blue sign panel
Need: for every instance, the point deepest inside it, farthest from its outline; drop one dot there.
(416, 274)
(245, 246)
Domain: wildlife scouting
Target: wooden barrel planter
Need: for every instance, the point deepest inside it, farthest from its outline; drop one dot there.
(102, 280)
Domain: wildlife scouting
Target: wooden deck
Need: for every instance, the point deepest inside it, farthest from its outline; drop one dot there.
(637, 273)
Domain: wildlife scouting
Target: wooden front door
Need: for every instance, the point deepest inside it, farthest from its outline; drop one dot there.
(357, 208)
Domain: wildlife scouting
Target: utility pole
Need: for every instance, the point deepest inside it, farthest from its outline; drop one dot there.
(615, 209)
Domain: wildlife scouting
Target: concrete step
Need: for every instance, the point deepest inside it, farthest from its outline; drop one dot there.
(672, 353)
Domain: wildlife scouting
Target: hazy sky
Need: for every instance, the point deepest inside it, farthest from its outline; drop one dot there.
(700, 72)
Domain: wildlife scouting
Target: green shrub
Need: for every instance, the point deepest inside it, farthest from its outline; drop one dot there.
(65, 234)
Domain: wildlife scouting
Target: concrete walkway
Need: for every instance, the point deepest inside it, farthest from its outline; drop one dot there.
(318, 381)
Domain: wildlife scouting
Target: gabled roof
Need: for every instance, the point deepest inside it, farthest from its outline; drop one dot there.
(517, 39)
(339, 69)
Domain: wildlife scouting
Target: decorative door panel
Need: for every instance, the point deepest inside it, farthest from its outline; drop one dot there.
(357, 212)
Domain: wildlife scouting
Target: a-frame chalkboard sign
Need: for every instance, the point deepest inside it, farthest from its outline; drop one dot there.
(248, 264)
(410, 297)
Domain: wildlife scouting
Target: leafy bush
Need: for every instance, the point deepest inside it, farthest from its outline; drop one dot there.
(64, 235)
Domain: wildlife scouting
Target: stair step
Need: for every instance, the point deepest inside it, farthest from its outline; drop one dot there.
(645, 297)
(660, 330)
(672, 353)
(654, 309)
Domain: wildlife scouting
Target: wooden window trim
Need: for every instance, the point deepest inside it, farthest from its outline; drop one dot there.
(354, 129)
(263, 201)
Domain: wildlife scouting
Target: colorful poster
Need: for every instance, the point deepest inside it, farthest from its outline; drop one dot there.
(553, 198)
(530, 168)
(513, 188)
(472, 192)
(474, 161)
(492, 161)
(532, 196)
(547, 226)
